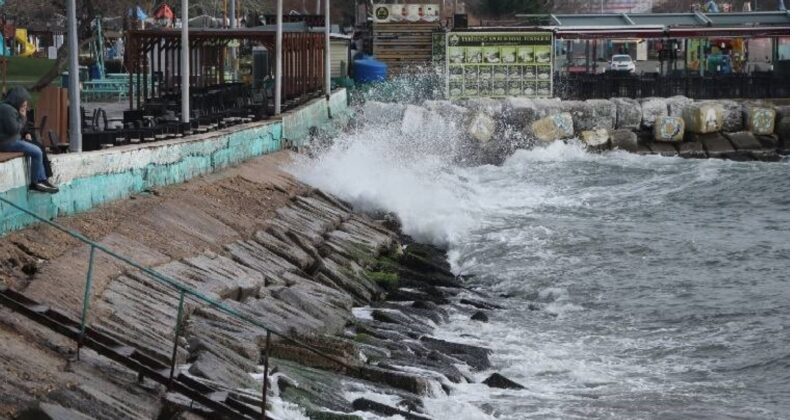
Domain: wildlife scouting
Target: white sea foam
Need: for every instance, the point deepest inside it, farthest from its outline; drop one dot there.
(599, 247)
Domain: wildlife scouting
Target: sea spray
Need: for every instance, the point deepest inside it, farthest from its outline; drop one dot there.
(634, 286)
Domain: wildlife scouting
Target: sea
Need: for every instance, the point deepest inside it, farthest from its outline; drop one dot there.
(633, 287)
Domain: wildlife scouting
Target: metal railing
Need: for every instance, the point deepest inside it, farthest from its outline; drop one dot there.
(183, 291)
(605, 86)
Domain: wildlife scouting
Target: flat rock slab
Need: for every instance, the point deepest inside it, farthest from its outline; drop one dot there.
(692, 150)
(716, 145)
(744, 140)
(663, 149)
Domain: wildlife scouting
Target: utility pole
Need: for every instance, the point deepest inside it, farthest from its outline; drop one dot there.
(185, 61)
(75, 119)
(278, 65)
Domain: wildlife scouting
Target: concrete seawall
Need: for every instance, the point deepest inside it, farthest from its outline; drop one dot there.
(87, 180)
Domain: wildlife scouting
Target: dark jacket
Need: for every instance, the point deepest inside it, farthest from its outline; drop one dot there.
(11, 123)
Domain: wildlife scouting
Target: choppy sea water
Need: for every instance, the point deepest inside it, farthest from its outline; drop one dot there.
(634, 287)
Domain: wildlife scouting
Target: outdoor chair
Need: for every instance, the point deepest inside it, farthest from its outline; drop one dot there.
(55, 145)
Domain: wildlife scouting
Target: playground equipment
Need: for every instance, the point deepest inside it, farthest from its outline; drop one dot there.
(27, 48)
(97, 49)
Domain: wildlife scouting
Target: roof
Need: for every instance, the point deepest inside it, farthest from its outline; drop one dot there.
(658, 25)
(670, 20)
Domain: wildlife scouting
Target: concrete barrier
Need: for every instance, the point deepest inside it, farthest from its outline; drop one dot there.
(89, 179)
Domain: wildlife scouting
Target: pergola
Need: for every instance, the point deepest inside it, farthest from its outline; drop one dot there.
(157, 51)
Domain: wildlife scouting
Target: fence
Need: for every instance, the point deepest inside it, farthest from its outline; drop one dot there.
(183, 291)
(604, 86)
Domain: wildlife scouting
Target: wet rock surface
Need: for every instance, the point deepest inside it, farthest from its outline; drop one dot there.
(496, 380)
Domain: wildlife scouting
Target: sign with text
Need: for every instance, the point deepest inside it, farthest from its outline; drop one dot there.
(499, 64)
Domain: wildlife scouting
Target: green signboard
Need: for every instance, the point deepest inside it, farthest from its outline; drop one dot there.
(499, 64)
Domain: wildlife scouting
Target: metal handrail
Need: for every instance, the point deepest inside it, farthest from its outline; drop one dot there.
(184, 291)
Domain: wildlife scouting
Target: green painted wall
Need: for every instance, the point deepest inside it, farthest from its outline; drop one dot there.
(193, 159)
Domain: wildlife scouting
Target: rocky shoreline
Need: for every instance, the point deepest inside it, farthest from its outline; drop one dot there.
(304, 264)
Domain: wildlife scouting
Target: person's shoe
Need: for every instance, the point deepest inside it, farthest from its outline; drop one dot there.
(43, 187)
(49, 184)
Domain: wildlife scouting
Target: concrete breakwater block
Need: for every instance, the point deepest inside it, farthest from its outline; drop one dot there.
(520, 113)
(652, 108)
(760, 120)
(703, 118)
(677, 104)
(582, 114)
(716, 146)
(663, 149)
(692, 150)
(596, 140)
(481, 127)
(554, 127)
(669, 129)
(748, 146)
(625, 140)
(733, 115)
(629, 113)
(604, 113)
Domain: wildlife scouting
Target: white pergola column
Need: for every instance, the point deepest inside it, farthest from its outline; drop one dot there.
(185, 61)
(327, 52)
(278, 66)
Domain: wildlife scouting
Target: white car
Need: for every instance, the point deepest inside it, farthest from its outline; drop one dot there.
(622, 62)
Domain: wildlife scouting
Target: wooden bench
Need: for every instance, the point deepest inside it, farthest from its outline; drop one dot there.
(6, 156)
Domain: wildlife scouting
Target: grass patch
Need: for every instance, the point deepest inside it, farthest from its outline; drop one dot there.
(22, 68)
(385, 280)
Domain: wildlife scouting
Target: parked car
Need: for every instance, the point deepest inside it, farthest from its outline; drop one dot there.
(622, 63)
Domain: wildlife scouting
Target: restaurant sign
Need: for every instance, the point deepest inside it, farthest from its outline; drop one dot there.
(499, 64)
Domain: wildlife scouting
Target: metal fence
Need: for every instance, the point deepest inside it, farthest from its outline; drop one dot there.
(604, 86)
(184, 293)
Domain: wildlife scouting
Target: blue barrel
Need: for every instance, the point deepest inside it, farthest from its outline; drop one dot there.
(368, 69)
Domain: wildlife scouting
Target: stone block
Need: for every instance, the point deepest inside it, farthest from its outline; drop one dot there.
(663, 149)
(760, 120)
(669, 129)
(547, 106)
(716, 146)
(768, 141)
(653, 108)
(596, 139)
(704, 118)
(743, 140)
(782, 111)
(733, 115)
(625, 140)
(492, 107)
(447, 110)
(582, 114)
(783, 129)
(692, 150)
(481, 127)
(677, 104)
(520, 113)
(629, 113)
(604, 113)
(554, 127)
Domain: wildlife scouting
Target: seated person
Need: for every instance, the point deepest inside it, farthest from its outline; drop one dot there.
(13, 118)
